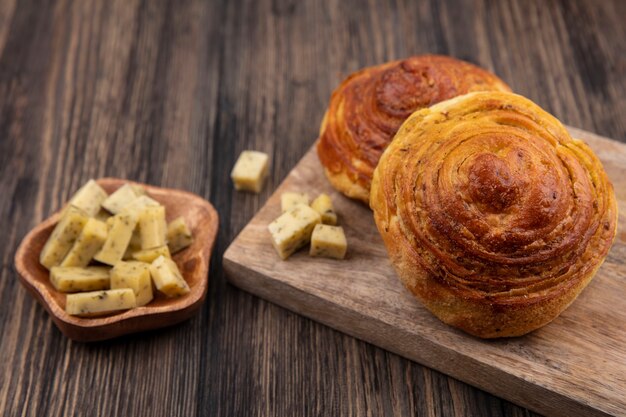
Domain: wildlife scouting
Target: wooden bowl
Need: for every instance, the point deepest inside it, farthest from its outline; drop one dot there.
(193, 262)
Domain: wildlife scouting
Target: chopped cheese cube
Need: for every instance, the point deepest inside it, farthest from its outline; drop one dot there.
(75, 279)
(293, 229)
(328, 241)
(138, 189)
(178, 235)
(89, 242)
(141, 202)
(324, 206)
(100, 302)
(118, 239)
(102, 215)
(136, 276)
(120, 198)
(152, 227)
(250, 171)
(167, 278)
(89, 198)
(149, 255)
(63, 237)
(290, 200)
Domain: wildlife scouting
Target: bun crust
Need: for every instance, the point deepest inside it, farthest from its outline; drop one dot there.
(492, 215)
(369, 106)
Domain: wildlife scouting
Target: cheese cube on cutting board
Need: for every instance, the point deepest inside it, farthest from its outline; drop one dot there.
(63, 237)
(75, 279)
(118, 239)
(167, 278)
(324, 206)
(178, 235)
(152, 227)
(328, 241)
(149, 255)
(250, 171)
(89, 242)
(136, 276)
(292, 230)
(123, 196)
(89, 198)
(100, 302)
(289, 200)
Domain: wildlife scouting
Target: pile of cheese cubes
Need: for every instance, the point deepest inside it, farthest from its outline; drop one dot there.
(108, 250)
(302, 223)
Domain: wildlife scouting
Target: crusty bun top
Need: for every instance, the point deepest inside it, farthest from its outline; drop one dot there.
(493, 216)
(369, 106)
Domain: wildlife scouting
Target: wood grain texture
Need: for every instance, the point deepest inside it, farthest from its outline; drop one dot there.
(575, 366)
(168, 93)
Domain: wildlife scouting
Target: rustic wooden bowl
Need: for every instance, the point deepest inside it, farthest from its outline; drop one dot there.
(193, 262)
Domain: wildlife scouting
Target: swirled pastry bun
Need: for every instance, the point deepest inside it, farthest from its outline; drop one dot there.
(492, 215)
(369, 106)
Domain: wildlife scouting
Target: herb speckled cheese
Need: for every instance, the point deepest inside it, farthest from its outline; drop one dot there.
(324, 206)
(250, 171)
(75, 279)
(152, 227)
(102, 215)
(100, 302)
(292, 230)
(118, 239)
(136, 276)
(149, 255)
(289, 200)
(120, 198)
(167, 278)
(89, 198)
(141, 202)
(89, 242)
(328, 241)
(178, 235)
(63, 237)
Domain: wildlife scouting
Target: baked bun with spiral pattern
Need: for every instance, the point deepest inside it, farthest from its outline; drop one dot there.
(492, 215)
(369, 106)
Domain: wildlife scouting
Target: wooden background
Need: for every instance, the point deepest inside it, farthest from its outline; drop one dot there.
(169, 92)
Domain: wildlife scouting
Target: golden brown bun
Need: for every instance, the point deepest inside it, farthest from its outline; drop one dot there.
(492, 215)
(369, 106)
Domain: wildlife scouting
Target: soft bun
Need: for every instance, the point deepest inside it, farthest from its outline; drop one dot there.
(369, 106)
(492, 215)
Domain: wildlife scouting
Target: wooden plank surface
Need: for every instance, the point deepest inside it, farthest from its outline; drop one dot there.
(576, 366)
(168, 92)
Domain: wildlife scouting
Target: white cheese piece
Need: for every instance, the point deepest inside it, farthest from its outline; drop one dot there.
(118, 239)
(136, 276)
(328, 241)
(292, 230)
(75, 279)
(119, 199)
(141, 202)
(102, 215)
(250, 171)
(149, 255)
(167, 278)
(178, 235)
(289, 200)
(100, 302)
(89, 242)
(89, 198)
(152, 227)
(63, 237)
(138, 189)
(324, 206)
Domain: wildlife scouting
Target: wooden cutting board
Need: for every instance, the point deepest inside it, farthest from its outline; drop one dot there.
(574, 366)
